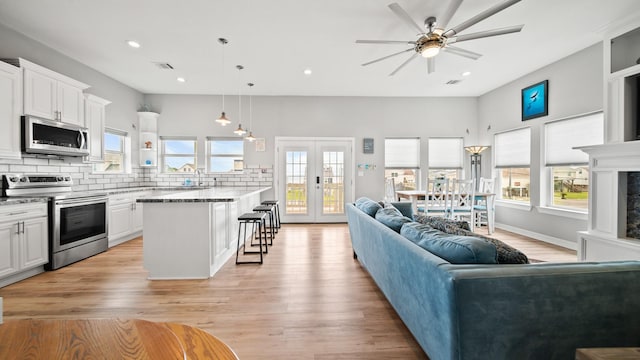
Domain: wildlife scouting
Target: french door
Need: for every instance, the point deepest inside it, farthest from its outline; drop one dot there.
(314, 178)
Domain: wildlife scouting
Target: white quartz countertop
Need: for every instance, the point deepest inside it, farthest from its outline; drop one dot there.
(214, 194)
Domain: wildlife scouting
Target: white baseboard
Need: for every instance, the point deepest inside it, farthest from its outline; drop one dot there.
(542, 237)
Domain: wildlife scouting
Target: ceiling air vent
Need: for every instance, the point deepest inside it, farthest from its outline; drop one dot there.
(453, 82)
(163, 65)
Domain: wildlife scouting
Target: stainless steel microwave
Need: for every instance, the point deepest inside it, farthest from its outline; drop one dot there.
(42, 136)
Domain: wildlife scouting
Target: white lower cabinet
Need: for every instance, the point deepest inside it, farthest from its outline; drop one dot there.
(125, 217)
(23, 241)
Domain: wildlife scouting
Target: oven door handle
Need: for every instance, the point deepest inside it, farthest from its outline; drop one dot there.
(82, 201)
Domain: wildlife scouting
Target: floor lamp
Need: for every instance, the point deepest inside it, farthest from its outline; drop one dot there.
(476, 167)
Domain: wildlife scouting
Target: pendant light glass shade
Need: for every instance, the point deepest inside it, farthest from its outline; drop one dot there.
(239, 131)
(222, 120)
(250, 137)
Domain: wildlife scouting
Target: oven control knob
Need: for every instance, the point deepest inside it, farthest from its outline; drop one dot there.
(67, 178)
(23, 179)
(59, 178)
(13, 179)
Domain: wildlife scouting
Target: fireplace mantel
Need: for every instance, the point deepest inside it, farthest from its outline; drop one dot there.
(606, 235)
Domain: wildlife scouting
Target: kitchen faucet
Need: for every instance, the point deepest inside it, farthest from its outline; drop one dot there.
(199, 173)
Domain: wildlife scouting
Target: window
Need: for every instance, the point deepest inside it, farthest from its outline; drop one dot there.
(178, 154)
(115, 156)
(445, 158)
(512, 151)
(568, 167)
(402, 162)
(225, 154)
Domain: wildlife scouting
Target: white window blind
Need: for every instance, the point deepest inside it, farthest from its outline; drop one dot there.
(561, 136)
(512, 149)
(402, 153)
(446, 153)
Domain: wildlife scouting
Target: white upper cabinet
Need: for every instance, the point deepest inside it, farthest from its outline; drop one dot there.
(10, 109)
(95, 116)
(51, 95)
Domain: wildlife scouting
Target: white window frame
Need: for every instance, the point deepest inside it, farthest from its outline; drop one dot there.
(568, 156)
(454, 150)
(520, 158)
(210, 155)
(394, 160)
(164, 155)
(125, 151)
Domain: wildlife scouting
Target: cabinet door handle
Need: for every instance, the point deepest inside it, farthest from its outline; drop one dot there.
(23, 227)
(18, 227)
(18, 213)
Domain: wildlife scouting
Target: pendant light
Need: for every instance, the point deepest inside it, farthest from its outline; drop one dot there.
(222, 120)
(239, 131)
(250, 137)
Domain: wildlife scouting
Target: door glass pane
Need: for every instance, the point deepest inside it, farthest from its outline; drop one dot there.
(333, 182)
(296, 182)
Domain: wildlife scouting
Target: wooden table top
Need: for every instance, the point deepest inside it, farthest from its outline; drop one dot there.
(108, 339)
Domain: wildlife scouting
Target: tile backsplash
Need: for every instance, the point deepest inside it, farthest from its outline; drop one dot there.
(85, 179)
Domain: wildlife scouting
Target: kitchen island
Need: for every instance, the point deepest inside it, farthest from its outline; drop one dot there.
(191, 234)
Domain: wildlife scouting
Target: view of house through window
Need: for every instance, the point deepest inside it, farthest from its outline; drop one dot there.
(225, 154)
(179, 155)
(515, 184)
(114, 152)
(403, 179)
(571, 186)
(451, 174)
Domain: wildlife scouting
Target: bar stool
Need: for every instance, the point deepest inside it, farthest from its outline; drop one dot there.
(277, 214)
(253, 219)
(269, 211)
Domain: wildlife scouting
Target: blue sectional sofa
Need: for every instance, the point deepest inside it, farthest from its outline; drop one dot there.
(496, 311)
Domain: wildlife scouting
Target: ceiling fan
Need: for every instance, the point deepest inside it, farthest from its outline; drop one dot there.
(433, 37)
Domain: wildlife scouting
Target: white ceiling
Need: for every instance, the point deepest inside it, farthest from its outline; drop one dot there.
(277, 39)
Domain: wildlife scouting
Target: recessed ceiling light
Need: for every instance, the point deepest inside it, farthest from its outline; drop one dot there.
(307, 72)
(133, 44)
(466, 73)
(181, 79)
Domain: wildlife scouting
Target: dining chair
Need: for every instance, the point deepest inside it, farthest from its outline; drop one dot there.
(437, 197)
(462, 201)
(390, 190)
(480, 207)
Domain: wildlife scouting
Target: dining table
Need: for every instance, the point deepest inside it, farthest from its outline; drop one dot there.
(480, 197)
(108, 339)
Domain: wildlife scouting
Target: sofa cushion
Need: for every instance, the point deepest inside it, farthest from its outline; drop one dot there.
(392, 218)
(440, 223)
(368, 206)
(506, 253)
(456, 249)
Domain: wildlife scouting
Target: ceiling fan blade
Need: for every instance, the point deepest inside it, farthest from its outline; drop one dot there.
(484, 34)
(445, 17)
(398, 10)
(431, 64)
(388, 56)
(462, 52)
(476, 19)
(385, 42)
(404, 64)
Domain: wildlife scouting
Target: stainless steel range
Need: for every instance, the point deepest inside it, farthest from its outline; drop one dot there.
(77, 220)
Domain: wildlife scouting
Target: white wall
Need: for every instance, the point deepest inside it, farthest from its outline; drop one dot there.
(575, 87)
(357, 117)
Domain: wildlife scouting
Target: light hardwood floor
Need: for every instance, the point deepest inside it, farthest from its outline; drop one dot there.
(309, 300)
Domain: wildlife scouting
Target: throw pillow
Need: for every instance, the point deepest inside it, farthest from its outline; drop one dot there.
(452, 248)
(368, 206)
(392, 218)
(441, 223)
(506, 253)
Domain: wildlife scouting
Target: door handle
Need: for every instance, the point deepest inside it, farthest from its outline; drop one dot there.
(318, 180)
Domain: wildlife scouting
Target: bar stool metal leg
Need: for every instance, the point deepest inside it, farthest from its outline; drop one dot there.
(253, 219)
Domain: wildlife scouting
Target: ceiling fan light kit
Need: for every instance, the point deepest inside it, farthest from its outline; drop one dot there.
(433, 37)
